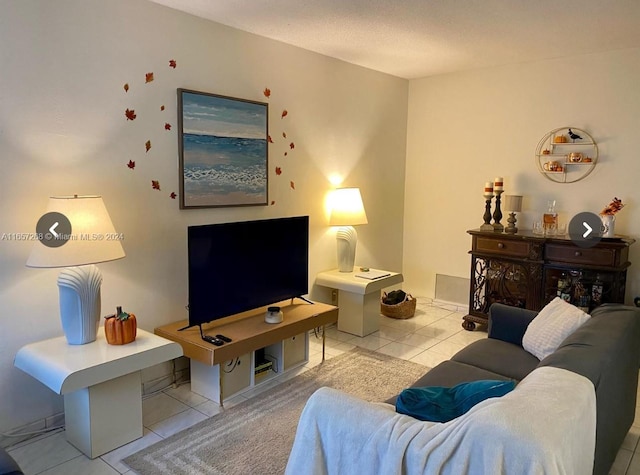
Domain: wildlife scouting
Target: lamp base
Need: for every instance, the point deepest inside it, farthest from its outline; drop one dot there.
(347, 238)
(511, 227)
(80, 303)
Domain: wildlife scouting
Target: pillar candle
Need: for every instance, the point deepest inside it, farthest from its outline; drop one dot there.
(498, 184)
(488, 187)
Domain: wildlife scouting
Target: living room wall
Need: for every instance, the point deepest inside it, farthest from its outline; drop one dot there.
(63, 130)
(466, 128)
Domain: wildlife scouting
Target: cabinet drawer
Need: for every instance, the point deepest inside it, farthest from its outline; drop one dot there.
(295, 350)
(593, 256)
(505, 247)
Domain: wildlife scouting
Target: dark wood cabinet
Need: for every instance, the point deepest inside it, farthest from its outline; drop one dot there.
(527, 270)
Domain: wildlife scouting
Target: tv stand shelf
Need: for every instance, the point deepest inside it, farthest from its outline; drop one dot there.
(249, 333)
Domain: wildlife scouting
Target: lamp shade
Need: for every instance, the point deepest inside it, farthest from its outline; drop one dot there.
(93, 238)
(347, 208)
(513, 203)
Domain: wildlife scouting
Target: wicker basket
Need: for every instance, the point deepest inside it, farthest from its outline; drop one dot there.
(400, 310)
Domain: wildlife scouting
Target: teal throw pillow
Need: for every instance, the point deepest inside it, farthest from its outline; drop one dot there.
(440, 404)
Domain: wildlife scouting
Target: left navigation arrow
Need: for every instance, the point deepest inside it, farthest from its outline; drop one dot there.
(52, 229)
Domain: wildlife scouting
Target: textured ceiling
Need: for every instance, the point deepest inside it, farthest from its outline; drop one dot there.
(418, 38)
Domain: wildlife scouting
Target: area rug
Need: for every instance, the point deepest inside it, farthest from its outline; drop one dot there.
(256, 436)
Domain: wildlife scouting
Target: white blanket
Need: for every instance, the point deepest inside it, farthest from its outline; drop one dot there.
(546, 425)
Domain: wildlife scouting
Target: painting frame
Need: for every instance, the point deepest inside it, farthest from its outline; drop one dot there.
(223, 150)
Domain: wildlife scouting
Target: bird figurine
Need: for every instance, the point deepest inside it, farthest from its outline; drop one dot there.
(574, 136)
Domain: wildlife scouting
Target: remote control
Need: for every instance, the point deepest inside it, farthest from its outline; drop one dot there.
(213, 340)
(224, 338)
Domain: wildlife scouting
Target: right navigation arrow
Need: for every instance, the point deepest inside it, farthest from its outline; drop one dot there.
(583, 229)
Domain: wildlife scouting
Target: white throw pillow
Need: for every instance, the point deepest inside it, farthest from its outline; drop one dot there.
(555, 322)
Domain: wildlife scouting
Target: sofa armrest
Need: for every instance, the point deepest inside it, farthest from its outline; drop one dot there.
(341, 433)
(509, 323)
(8, 466)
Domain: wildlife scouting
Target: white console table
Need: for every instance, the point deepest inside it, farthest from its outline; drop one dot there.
(100, 383)
(358, 298)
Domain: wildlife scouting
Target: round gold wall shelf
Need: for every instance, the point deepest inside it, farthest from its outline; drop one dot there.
(566, 155)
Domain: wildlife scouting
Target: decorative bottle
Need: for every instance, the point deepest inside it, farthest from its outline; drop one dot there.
(564, 287)
(596, 291)
(581, 297)
(550, 218)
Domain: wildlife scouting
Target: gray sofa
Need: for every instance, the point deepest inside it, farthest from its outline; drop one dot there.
(8, 466)
(606, 350)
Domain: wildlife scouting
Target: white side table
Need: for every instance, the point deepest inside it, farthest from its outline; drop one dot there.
(358, 298)
(100, 383)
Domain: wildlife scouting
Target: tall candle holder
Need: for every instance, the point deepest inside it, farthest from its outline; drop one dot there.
(488, 195)
(487, 226)
(497, 214)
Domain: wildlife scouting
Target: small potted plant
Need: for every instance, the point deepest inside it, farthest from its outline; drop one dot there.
(120, 328)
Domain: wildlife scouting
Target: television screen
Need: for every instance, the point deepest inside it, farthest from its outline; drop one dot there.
(234, 267)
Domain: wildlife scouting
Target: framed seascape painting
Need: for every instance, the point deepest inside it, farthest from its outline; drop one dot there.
(223, 150)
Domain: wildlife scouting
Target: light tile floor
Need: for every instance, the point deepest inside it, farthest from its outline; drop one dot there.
(433, 335)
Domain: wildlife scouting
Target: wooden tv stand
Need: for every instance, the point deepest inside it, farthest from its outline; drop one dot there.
(249, 332)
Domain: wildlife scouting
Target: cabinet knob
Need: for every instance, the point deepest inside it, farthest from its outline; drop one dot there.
(577, 253)
(500, 245)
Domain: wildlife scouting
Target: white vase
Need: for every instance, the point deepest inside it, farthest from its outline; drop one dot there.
(608, 225)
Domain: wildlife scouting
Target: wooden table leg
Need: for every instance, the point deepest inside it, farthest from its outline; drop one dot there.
(221, 383)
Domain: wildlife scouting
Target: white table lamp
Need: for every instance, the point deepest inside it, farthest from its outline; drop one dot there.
(347, 211)
(90, 239)
(512, 203)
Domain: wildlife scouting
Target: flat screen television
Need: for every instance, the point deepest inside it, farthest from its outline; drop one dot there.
(235, 267)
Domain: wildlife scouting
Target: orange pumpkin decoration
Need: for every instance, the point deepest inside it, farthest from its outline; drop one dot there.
(121, 328)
